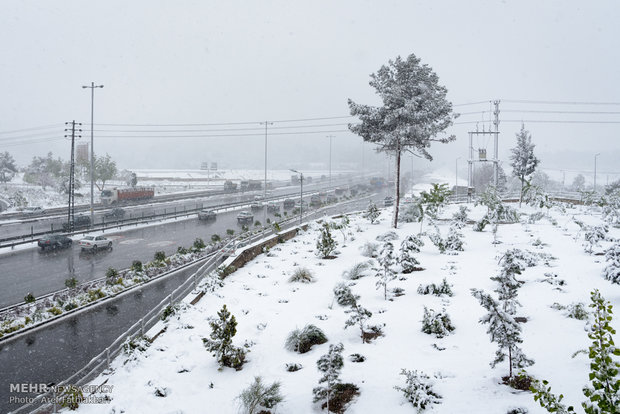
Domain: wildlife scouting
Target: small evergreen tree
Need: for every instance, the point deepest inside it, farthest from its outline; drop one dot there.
(604, 392)
(612, 270)
(508, 285)
(524, 162)
(259, 398)
(593, 235)
(436, 323)
(325, 244)
(504, 330)
(410, 245)
(372, 213)
(343, 225)
(359, 316)
(418, 389)
(330, 365)
(459, 219)
(386, 272)
(220, 344)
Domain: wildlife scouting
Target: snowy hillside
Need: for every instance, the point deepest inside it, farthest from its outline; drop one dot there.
(177, 374)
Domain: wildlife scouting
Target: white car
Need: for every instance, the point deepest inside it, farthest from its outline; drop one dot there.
(94, 243)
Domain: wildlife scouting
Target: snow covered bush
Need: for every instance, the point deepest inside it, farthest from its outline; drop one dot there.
(577, 311)
(336, 394)
(301, 275)
(301, 340)
(451, 244)
(220, 342)
(418, 389)
(593, 236)
(325, 244)
(434, 200)
(372, 213)
(359, 316)
(459, 218)
(369, 249)
(436, 323)
(344, 296)
(438, 290)
(412, 213)
(612, 270)
(357, 271)
(259, 398)
(71, 283)
(410, 245)
(385, 273)
(387, 236)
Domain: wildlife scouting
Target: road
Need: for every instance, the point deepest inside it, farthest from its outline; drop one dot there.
(56, 351)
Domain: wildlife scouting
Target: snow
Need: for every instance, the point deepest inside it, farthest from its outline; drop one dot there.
(268, 308)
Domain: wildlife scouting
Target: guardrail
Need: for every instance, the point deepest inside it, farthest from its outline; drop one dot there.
(103, 360)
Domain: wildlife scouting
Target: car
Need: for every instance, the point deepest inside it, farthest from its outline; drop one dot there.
(206, 214)
(231, 248)
(331, 198)
(273, 207)
(94, 243)
(289, 203)
(258, 198)
(79, 222)
(54, 241)
(245, 217)
(256, 206)
(116, 213)
(30, 211)
(388, 201)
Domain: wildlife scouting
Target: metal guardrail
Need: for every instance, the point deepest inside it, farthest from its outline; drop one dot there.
(103, 360)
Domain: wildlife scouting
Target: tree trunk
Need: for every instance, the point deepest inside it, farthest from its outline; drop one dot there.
(510, 359)
(521, 193)
(397, 197)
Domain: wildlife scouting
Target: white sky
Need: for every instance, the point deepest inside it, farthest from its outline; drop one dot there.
(165, 62)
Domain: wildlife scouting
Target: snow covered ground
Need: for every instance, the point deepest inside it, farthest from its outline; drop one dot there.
(268, 307)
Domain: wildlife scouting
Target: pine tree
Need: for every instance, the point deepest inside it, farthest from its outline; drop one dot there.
(7, 167)
(372, 213)
(524, 162)
(359, 316)
(325, 244)
(386, 272)
(508, 284)
(330, 365)
(612, 270)
(220, 344)
(604, 393)
(414, 112)
(504, 330)
(410, 245)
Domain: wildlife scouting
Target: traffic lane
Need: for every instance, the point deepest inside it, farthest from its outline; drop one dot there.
(40, 273)
(57, 351)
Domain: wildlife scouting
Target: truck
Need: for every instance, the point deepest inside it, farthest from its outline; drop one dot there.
(126, 195)
(229, 186)
(315, 200)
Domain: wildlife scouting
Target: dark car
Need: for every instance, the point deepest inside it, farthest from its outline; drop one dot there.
(116, 213)
(207, 215)
(288, 203)
(80, 222)
(54, 241)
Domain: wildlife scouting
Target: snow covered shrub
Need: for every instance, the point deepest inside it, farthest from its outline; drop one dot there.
(136, 266)
(612, 270)
(435, 199)
(372, 213)
(70, 397)
(535, 217)
(29, 298)
(301, 340)
(325, 244)
(344, 296)
(111, 276)
(336, 394)
(443, 289)
(387, 236)
(577, 311)
(220, 342)
(359, 316)
(436, 323)
(593, 235)
(454, 240)
(302, 275)
(518, 410)
(357, 271)
(418, 389)
(357, 358)
(370, 249)
(459, 218)
(215, 238)
(410, 245)
(412, 213)
(159, 256)
(293, 367)
(169, 311)
(385, 273)
(259, 398)
(224, 271)
(71, 283)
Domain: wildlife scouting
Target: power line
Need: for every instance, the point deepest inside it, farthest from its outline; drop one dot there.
(228, 123)
(225, 135)
(563, 112)
(219, 130)
(559, 121)
(558, 102)
(33, 128)
(472, 103)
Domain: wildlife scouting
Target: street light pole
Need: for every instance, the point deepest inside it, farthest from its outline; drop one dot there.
(595, 170)
(92, 151)
(456, 179)
(330, 159)
(301, 194)
(265, 182)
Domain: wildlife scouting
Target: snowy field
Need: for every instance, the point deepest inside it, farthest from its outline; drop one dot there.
(268, 307)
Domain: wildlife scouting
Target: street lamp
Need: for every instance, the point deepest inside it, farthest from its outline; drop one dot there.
(330, 159)
(265, 182)
(456, 179)
(301, 194)
(595, 170)
(92, 152)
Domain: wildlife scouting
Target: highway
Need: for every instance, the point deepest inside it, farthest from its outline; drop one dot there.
(56, 351)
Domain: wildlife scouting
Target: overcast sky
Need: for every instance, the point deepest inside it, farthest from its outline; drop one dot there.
(208, 62)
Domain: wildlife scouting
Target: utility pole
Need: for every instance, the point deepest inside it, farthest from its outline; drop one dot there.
(595, 170)
(92, 151)
(330, 159)
(495, 149)
(456, 179)
(71, 209)
(266, 123)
